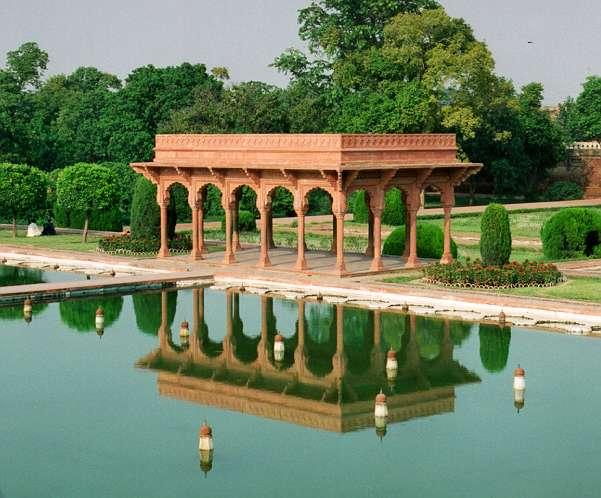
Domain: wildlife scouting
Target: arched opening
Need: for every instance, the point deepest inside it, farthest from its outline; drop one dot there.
(319, 203)
(282, 206)
(244, 346)
(244, 216)
(179, 210)
(358, 339)
(393, 327)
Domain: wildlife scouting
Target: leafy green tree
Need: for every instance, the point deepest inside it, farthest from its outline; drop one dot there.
(581, 118)
(23, 192)
(495, 236)
(145, 212)
(86, 188)
(27, 65)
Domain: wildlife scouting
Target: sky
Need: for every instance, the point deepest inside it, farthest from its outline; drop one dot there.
(246, 35)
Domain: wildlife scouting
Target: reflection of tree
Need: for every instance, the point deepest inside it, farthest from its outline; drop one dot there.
(81, 315)
(147, 308)
(290, 343)
(12, 275)
(460, 331)
(429, 337)
(320, 340)
(16, 312)
(245, 347)
(393, 328)
(494, 346)
(358, 338)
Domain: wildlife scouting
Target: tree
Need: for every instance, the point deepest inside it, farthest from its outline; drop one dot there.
(495, 236)
(87, 187)
(23, 191)
(581, 118)
(145, 212)
(27, 65)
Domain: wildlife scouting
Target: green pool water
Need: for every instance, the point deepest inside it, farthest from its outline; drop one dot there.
(118, 414)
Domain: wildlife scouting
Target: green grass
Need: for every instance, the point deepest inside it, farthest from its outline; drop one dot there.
(60, 242)
(519, 254)
(576, 288)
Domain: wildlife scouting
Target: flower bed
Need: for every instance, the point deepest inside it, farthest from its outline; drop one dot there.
(474, 274)
(128, 246)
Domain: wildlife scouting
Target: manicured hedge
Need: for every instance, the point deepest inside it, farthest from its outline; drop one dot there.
(360, 209)
(110, 221)
(246, 222)
(495, 235)
(572, 233)
(563, 191)
(126, 244)
(394, 208)
(145, 212)
(430, 242)
(476, 274)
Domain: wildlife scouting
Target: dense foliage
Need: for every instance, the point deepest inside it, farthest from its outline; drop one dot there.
(581, 118)
(128, 245)
(394, 208)
(477, 274)
(572, 233)
(563, 191)
(145, 219)
(430, 242)
(22, 192)
(495, 235)
(80, 315)
(146, 306)
(246, 222)
(86, 188)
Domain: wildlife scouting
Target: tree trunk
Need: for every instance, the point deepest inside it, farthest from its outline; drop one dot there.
(85, 228)
(14, 226)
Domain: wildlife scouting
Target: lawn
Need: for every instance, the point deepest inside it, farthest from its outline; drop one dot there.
(55, 242)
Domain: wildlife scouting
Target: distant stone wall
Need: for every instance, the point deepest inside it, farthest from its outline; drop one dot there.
(586, 157)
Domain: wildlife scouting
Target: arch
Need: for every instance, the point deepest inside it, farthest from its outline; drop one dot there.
(313, 202)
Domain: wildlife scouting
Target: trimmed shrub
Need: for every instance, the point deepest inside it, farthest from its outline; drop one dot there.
(494, 347)
(430, 242)
(179, 203)
(126, 244)
(246, 222)
(109, 220)
(127, 179)
(495, 235)
(572, 233)
(563, 191)
(145, 212)
(360, 209)
(394, 208)
(475, 274)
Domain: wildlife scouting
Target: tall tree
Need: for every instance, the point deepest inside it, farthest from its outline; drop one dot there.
(581, 118)
(87, 187)
(22, 191)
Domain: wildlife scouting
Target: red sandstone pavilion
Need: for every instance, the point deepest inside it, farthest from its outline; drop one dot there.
(337, 163)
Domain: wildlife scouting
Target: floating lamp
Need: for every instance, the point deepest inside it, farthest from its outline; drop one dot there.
(381, 413)
(519, 388)
(502, 318)
(278, 348)
(100, 321)
(27, 310)
(184, 330)
(205, 447)
(392, 366)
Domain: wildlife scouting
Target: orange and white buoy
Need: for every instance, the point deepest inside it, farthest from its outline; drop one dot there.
(519, 388)
(392, 366)
(279, 348)
(184, 329)
(205, 447)
(381, 414)
(100, 320)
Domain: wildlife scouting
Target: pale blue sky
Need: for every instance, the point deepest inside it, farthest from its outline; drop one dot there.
(245, 35)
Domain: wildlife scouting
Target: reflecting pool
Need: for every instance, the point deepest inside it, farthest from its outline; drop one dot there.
(19, 275)
(115, 410)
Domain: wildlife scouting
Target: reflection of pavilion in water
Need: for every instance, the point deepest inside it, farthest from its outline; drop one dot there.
(328, 378)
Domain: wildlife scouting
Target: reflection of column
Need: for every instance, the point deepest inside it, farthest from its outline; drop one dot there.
(299, 354)
(263, 342)
(301, 210)
(163, 201)
(412, 346)
(227, 340)
(377, 356)
(446, 354)
(413, 207)
(194, 349)
(164, 332)
(228, 206)
(338, 361)
(448, 201)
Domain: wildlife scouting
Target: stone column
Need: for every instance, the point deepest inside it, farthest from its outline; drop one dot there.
(263, 206)
(228, 206)
(340, 211)
(201, 224)
(300, 206)
(163, 202)
(370, 234)
(407, 223)
(270, 228)
(196, 206)
(334, 233)
(235, 228)
(376, 208)
(413, 208)
(447, 196)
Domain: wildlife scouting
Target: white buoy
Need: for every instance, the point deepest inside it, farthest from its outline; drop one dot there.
(27, 310)
(392, 366)
(519, 378)
(518, 399)
(184, 330)
(100, 320)
(205, 447)
(381, 408)
(278, 348)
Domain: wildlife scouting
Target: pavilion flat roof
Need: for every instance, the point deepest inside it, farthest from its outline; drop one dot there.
(302, 151)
